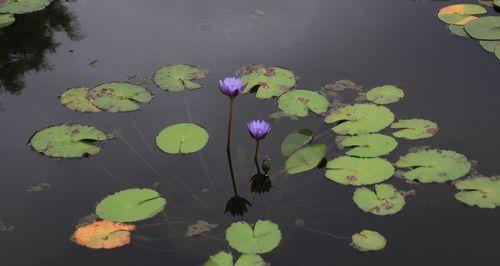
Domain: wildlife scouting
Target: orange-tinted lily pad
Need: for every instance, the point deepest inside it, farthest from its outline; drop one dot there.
(460, 14)
(104, 234)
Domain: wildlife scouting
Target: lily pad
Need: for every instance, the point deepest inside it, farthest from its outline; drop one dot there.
(67, 141)
(296, 140)
(368, 240)
(360, 119)
(306, 158)
(480, 191)
(182, 138)
(489, 46)
(369, 145)
(118, 96)
(103, 235)
(264, 237)
(484, 28)
(385, 200)
(177, 77)
(269, 81)
(76, 99)
(23, 6)
(385, 94)
(457, 30)
(355, 171)
(415, 129)
(460, 14)
(434, 165)
(226, 259)
(6, 20)
(131, 205)
(497, 52)
(298, 102)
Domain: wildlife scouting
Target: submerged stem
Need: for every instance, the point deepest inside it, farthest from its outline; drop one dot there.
(228, 152)
(229, 124)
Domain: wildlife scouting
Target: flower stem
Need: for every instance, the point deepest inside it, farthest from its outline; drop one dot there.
(256, 156)
(228, 152)
(229, 124)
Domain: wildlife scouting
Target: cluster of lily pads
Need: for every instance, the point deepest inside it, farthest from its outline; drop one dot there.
(462, 21)
(10, 8)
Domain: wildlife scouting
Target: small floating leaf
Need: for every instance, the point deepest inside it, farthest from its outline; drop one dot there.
(358, 171)
(298, 102)
(76, 99)
(480, 191)
(369, 145)
(415, 129)
(385, 94)
(270, 81)
(295, 141)
(306, 158)
(460, 14)
(384, 201)
(131, 205)
(67, 141)
(264, 237)
(484, 28)
(182, 138)
(103, 234)
(199, 228)
(368, 240)
(177, 77)
(457, 30)
(6, 20)
(118, 96)
(434, 165)
(489, 46)
(23, 6)
(360, 119)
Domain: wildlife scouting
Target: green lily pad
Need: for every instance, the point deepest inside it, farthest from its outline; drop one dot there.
(434, 165)
(415, 129)
(385, 200)
(182, 138)
(360, 119)
(369, 145)
(67, 141)
(23, 6)
(270, 81)
(385, 94)
(131, 205)
(497, 52)
(264, 237)
(484, 28)
(306, 158)
(480, 191)
(368, 240)
(6, 20)
(489, 46)
(358, 171)
(296, 140)
(298, 102)
(177, 77)
(496, 3)
(118, 96)
(457, 30)
(226, 259)
(76, 99)
(460, 14)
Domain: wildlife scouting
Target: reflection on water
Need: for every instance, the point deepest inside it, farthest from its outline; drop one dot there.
(25, 44)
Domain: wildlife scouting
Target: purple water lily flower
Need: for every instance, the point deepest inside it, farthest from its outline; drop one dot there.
(231, 86)
(258, 129)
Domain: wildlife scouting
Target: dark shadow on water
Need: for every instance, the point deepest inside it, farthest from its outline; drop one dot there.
(236, 206)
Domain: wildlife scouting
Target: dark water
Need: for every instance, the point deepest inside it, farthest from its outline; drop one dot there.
(446, 79)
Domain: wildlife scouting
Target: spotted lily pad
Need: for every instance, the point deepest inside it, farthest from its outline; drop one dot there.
(298, 102)
(460, 14)
(384, 201)
(480, 191)
(264, 237)
(76, 99)
(434, 165)
(177, 77)
(489, 46)
(296, 140)
(131, 205)
(385, 94)
(415, 129)
(484, 28)
(118, 96)
(306, 158)
(360, 119)
(369, 145)
(457, 30)
(23, 6)
(269, 81)
(355, 171)
(368, 240)
(182, 138)
(67, 141)
(226, 259)
(103, 234)
(6, 20)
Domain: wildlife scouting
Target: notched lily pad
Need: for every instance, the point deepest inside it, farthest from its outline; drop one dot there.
(434, 165)
(385, 200)
(226, 259)
(385, 94)
(23, 6)
(269, 81)
(355, 171)
(6, 20)
(484, 28)
(360, 119)
(298, 102)
(480, 191)
(182, 138)
(76, 100)
(368, 240)
(306, 158)
(67, 141)
(460, 14)
(369, 145)
(296, 140)
(177, 77)
(118, 96)
(264, 237)
(103, 235)
(415, 129)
